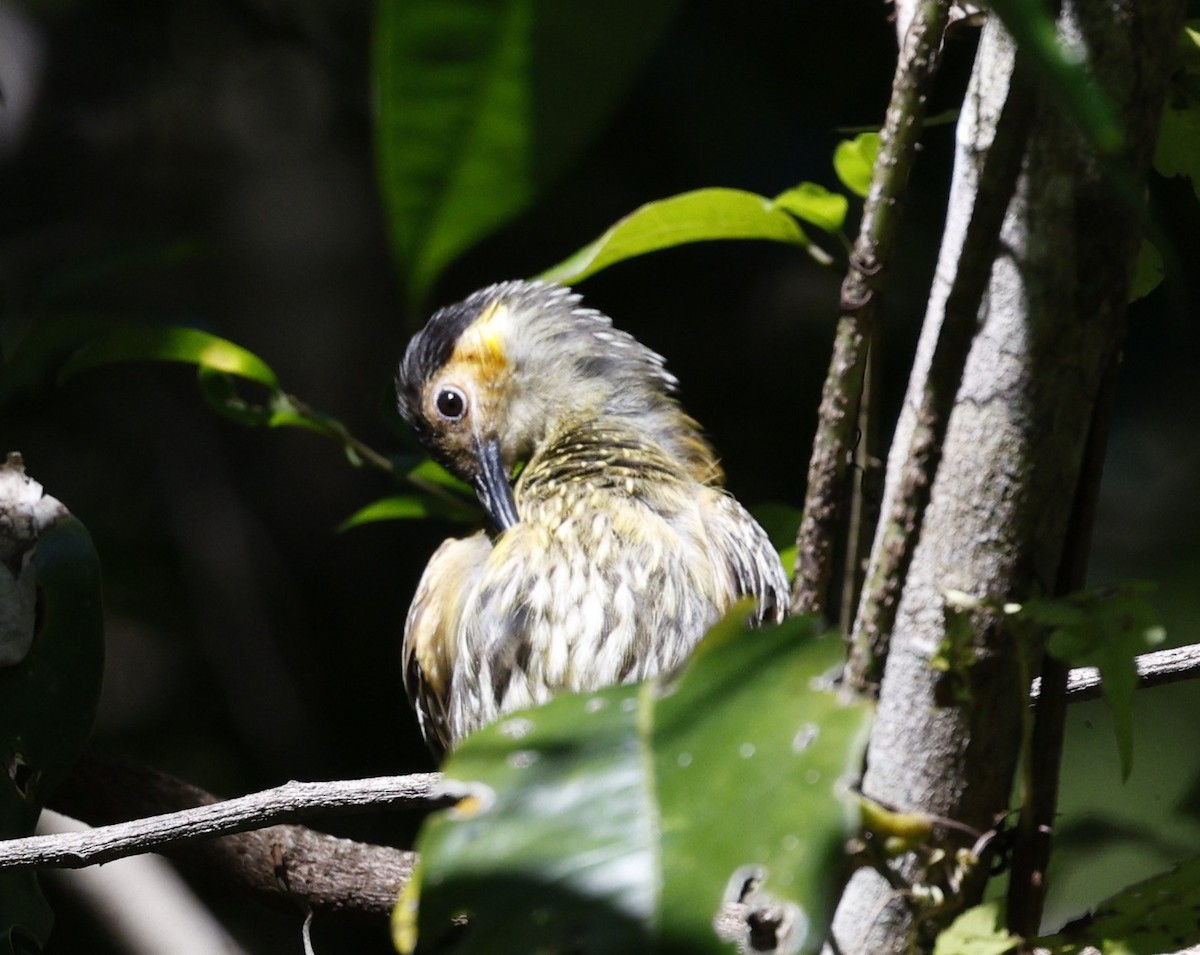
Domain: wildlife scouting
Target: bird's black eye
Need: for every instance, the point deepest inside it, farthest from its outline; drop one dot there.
(451, 404)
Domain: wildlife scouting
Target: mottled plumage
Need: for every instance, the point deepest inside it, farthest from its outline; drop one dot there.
(617, 547)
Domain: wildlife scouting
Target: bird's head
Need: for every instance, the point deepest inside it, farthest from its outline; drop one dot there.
(493, 377)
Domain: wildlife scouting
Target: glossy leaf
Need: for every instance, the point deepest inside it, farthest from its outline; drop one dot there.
(477, 108)
(700, 216)
(1160, 914)
(188, 345)
(626, 819)
(854, 162)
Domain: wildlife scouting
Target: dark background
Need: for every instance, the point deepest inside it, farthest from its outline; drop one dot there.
(210, 163)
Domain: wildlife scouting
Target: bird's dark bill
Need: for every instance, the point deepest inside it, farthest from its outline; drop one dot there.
(492, 485)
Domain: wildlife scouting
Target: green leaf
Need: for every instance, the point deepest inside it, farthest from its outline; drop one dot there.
(188, 345)
(430, 473)
(400, 507)
(1160, 914)
(453, 111)
(625, 820)
(1178, 150)
(478, 108)
(854, 162)
(1105, 628)
(780, 521)
(700, 216)
(978, 931)
(815, 205)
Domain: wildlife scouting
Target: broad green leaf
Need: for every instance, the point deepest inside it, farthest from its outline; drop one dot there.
(1063, 74)
(700, 216)
(188, 345)
(978, 931)
(815, 205)
(1161, 914)
(625, 820)
(854, 162)
(1105, 628)
(478, 108)
(454, 105)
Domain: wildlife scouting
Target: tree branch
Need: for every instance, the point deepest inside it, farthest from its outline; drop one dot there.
(861, 289)
(282, 865)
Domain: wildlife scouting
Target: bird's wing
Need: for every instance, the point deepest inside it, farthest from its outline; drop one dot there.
(431, 638)
(742, 555)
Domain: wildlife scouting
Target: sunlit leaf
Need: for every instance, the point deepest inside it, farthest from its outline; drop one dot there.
(429, 472)
(815, 205)
(854, 162)
(401, 507)
(700, 216)
(188, 345)
(627, 819)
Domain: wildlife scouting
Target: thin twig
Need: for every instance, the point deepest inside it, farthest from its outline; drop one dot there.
(1157, 668)
(73, 850)
(832, 444)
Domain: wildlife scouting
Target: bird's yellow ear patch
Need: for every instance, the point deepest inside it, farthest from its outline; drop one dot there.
(482, 344)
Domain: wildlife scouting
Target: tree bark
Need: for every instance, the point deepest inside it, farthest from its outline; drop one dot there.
(995, 525)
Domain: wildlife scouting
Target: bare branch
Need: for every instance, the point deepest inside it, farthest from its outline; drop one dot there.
(1154, 669)
(73, 850)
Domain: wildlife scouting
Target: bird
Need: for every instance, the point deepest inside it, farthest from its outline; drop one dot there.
(613, 546)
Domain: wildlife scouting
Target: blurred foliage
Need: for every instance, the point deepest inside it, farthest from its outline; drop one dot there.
(1159, 914)
(978, 931)
(481, 104)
